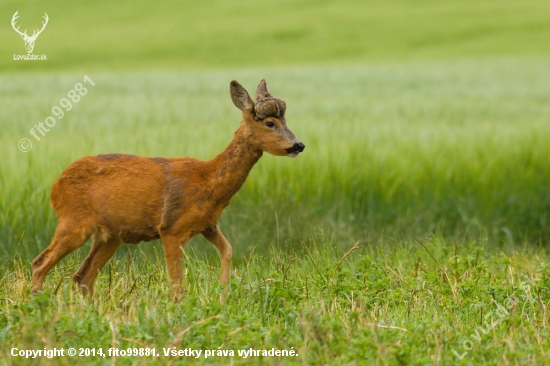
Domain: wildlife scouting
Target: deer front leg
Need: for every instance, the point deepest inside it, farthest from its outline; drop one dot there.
(215, 236)
(173, 251)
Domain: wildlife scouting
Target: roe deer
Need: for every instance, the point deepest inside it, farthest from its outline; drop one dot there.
(125, 198)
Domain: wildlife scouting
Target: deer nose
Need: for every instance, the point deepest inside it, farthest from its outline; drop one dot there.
(297, 147)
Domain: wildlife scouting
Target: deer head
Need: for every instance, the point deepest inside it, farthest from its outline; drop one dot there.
(265, 120)
(29, 40)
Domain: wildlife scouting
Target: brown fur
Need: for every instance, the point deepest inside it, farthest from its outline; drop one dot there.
(119, 198)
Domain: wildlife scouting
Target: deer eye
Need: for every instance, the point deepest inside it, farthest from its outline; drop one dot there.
(270, 124)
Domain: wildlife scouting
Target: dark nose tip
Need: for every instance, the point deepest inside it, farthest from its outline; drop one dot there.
(297, 147)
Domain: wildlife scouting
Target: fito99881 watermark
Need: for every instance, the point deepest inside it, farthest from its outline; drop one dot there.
(65, 104)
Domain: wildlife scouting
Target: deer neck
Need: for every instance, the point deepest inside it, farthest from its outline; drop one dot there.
(232, 166)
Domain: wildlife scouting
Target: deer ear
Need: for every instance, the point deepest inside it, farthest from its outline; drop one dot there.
(240, 96)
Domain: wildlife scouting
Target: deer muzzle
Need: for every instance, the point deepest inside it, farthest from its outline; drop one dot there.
(295, 149)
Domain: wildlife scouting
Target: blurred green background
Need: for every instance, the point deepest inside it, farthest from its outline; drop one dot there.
(420, 117)
(122, 35)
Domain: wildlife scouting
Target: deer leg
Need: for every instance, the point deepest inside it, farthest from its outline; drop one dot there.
(225, 251)
(173, 251)
(101, 252)
(64, 242)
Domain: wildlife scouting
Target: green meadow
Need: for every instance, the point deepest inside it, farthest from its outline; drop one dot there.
(413, 229)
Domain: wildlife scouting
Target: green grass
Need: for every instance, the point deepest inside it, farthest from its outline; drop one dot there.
(426, 126)
(406, 303)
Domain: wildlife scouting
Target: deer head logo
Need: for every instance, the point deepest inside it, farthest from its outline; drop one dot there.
(29, 40)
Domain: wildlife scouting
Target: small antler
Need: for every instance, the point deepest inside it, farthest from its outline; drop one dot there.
(13, 19)
(262, 89)
(36, 33)
(267, 105)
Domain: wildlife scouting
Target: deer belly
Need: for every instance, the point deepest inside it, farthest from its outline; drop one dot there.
(134, 236)
(129, 231)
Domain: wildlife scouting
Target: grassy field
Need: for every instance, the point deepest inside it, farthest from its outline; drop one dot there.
(426, 126)
(410, 303)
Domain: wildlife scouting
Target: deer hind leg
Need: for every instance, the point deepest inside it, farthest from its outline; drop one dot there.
(173, 251)
(102, 250)
(225, 251)
(68, 237)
